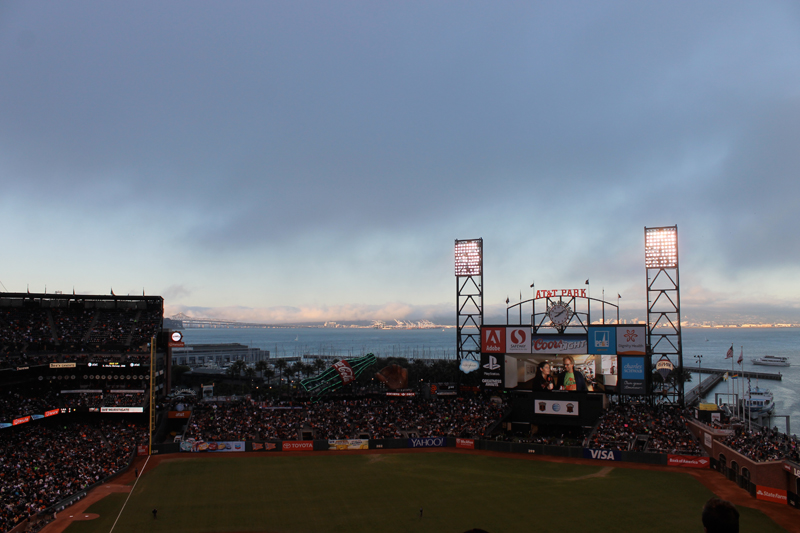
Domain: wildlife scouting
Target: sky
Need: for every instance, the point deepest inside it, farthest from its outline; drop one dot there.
(287, 162)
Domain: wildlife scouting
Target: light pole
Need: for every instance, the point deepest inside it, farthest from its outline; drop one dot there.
(699, 359)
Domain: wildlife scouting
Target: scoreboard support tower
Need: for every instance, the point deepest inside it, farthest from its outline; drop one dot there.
(469, 298)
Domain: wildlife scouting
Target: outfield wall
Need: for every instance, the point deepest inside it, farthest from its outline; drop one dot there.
(774, 484)
(575, 452)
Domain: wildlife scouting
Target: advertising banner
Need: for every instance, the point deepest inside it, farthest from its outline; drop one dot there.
(51, 412)
(297, 445)
(264, 446)
(468, 365)
(467, 444)
(122, 409)
(602, 340)
(518, 340)
(631, 340)
(604, 455)
(556, 407)
(141, 449)
(632, 375)
(427, 442)
(192, 445)
(688, 461)
(63, 365)
(21, 420)
(492, 370)
(179, 414)
(493, 339)
(771, 495)
(559, 344)
(348, 444)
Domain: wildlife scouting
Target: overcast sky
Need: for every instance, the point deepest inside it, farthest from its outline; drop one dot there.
(302, 161)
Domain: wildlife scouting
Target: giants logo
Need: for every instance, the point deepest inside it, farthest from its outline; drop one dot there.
(493, 340)
(345, 372)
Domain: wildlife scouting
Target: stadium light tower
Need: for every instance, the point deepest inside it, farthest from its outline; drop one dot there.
(469, 298)
(664, 306)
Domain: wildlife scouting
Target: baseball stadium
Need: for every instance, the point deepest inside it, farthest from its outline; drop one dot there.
(562, 417)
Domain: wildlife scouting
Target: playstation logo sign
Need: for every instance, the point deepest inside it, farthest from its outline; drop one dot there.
(492, 364)
(492, 370)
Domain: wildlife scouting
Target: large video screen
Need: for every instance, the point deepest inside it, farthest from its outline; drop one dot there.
(513, 357)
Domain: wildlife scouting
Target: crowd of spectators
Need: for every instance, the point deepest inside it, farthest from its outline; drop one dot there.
(764, 445)
(662, 429)
(342, 419)
(41, 464)
(31, 335)
(19, 402)
(124, 400)
(82, 399)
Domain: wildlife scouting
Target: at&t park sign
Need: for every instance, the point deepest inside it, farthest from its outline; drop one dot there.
(561, 293)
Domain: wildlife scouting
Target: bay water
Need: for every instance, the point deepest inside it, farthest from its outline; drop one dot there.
(440, 343)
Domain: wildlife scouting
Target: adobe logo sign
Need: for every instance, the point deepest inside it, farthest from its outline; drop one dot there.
(518, 340)
(493, 340)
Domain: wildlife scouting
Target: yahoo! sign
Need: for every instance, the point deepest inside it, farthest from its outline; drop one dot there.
(427, 442)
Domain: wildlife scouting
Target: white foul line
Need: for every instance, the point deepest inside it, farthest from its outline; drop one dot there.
(129, 495)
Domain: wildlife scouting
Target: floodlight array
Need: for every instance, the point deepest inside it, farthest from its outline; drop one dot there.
(661, 247)
(469, 257)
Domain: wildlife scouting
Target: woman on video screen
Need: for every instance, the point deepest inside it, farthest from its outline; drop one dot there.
(543, 380)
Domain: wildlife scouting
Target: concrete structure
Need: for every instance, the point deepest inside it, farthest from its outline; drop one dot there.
(197, 355)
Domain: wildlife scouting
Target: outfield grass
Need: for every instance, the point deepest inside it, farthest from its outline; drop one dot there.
(377, 493)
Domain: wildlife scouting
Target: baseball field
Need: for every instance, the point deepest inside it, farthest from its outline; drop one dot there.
(402, 492)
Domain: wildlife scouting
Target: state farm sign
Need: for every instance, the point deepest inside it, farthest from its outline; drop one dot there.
(771, 495)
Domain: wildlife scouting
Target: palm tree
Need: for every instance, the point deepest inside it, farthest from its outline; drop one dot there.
(235, 370)
(267, 374)
(261, 366)
(281, 365)
(318, 365)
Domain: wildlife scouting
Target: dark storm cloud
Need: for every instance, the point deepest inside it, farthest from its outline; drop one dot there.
(255, 124)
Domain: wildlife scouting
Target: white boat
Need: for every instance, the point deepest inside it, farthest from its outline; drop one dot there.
(771, 360)
(758, 401)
